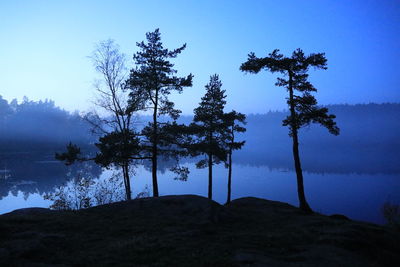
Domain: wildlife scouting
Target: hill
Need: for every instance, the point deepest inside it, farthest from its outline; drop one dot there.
(192, 231)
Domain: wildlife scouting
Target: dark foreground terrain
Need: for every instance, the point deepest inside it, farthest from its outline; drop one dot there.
(192, 231)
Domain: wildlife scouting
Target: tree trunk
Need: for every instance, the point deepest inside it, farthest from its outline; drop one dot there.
(154, 172)
(155, 149)
(128, 183)
(299, 173)
(229, 176)
(210, 164)
(300, 186)
(125, 185)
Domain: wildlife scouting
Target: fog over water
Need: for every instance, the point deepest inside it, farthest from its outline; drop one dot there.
(352, 174)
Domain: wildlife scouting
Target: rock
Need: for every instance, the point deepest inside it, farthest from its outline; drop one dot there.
(193, 231)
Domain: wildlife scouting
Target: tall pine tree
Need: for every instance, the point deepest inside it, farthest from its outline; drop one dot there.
(303, 106)
(152, 81)
(210, 128)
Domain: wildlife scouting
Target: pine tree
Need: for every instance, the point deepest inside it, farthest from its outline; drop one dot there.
(210, 128)
(303, 107)
(152, 81)
(119, 149)
(234, 122)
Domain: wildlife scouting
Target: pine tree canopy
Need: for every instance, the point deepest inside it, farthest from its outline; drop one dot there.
(153, 78)
(295, 78)
(208, 123)
(234, 121)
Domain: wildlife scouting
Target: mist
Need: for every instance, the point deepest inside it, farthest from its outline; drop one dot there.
(40, 125)
(32, 132)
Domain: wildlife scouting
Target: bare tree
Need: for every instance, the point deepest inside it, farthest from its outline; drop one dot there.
(110, 63)
(116, 119)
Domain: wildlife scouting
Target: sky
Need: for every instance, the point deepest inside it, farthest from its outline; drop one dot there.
(45, 46)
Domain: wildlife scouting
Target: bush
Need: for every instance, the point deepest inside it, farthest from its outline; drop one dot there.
(83, 192)
(145, 193)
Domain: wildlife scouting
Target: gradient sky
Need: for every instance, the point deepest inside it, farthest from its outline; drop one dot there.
(44, 46)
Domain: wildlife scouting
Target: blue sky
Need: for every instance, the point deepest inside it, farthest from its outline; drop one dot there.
(44, 47)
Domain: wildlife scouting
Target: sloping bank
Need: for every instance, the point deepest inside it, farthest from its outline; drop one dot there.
(192, 231)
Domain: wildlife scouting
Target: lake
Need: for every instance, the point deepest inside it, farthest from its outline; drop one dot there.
(359, 196)
(353, 174)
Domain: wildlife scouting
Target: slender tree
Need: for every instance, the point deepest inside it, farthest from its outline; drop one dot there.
(303, 107)
(210, 128)
(152, 80)
(234, 122)
(118, 142)
(110, 63)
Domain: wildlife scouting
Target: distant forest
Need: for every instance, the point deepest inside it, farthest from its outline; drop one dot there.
(39, 125)
(369, 140)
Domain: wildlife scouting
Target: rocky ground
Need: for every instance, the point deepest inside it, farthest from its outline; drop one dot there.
(192, 231)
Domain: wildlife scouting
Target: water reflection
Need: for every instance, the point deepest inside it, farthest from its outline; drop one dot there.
(359, 194)
(35, 173)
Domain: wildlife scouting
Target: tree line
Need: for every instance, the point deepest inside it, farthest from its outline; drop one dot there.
(39, 126)
(146, 87)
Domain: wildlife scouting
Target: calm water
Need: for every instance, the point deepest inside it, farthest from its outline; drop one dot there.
(358, 196)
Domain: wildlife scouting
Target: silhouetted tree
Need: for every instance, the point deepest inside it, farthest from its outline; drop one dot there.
(118, 143)
(151, 81)
(116, 149)
(303, 108)
(210, 128)
(72, 154)
(119, 149)
(234, 121)
(121, 143)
